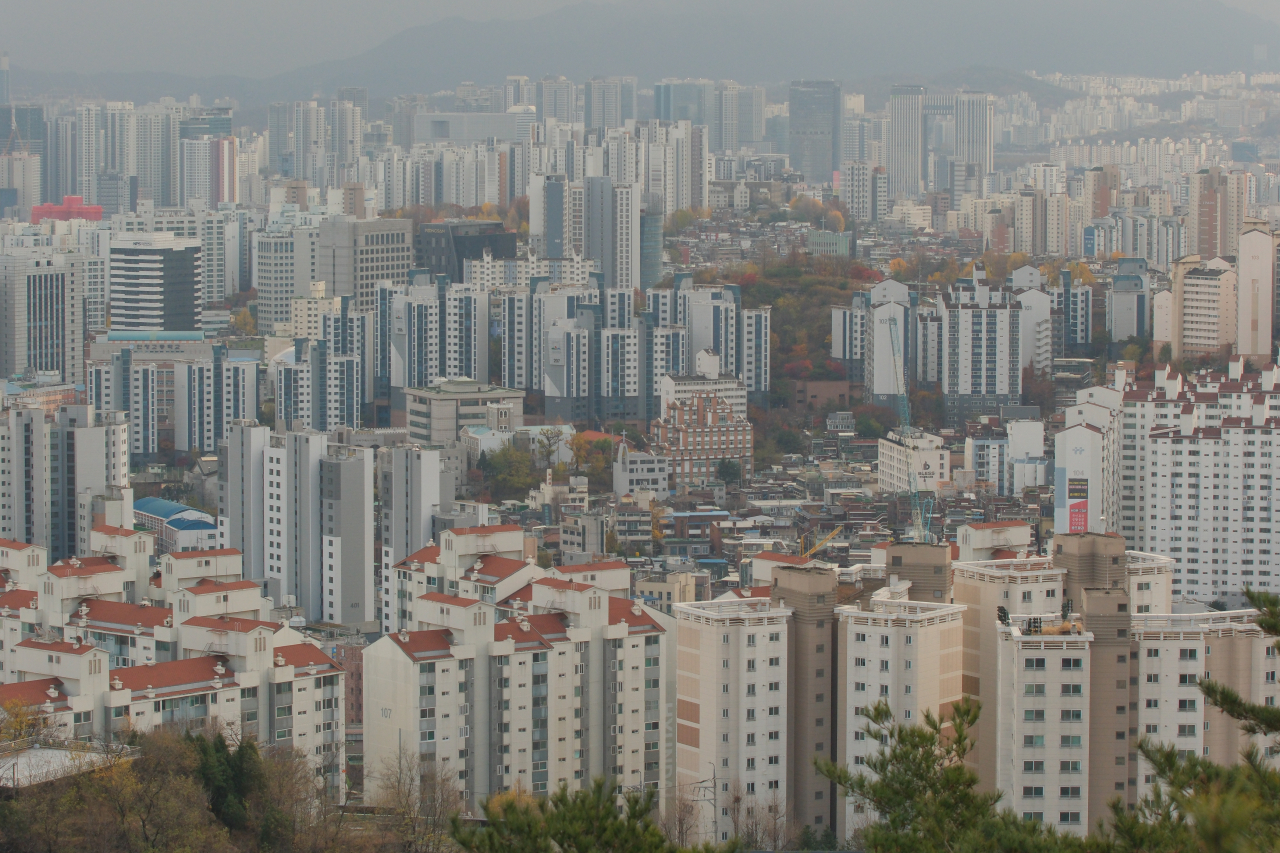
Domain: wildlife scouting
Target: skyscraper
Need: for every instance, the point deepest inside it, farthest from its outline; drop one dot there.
(4, 78)
(906, 141)
(817, 113)
(975, 112)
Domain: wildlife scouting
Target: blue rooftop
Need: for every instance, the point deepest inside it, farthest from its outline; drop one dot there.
(192, 524)
(160, 508)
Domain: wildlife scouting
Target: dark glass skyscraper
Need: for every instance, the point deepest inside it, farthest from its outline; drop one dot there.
(817, 109)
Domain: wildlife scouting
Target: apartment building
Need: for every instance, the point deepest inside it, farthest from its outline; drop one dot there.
(572, 685)
(698, 434)
(905, 653)
(733, 710)
(49, 464)
(105, 650)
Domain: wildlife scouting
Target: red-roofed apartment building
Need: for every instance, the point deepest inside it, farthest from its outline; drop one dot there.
(572, 686)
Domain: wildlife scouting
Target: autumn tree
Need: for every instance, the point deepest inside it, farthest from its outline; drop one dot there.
(422, 797)
(244, 323)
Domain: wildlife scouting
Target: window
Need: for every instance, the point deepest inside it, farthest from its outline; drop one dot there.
(1073, 690)
(1186, 704)
(1187, 654)
(1068, 817)
(1073, 663)
(1073, 715)
(1033, 740)
(1036, 716)
(1033, 767)
(1070, 741)
(1069, 767)
(1033, 689)
(1069, 793)
(1033, 792)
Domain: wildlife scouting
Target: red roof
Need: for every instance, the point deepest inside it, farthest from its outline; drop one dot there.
(123, 613)
(422, 642)
(16, 546)
(429, 554)
(83, 567)
(775, 557)
(592, 567)
(594, 435)
(455, 600)
(480, 531)
(304, 655)
(754, 592)
(116, 531)
(175, 673)
(557, 583)
(16, 599)
(499, 568)
(620, 610)
(57, 646)
(236, 624)
(544, 629)
(998, 525)
(213, 552)
(29, 693)
(206, 586)
(524, 593)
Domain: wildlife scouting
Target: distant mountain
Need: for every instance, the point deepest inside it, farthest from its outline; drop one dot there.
(756, 41)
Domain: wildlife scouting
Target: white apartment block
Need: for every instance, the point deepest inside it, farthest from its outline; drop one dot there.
(316, 535)
(907, 654)
(107, 652)
(920, 454)
(198, 397)
(491, 272)
(49, 463)
(981, 352)
(551, 682)
(732, 708)
(1141, 463)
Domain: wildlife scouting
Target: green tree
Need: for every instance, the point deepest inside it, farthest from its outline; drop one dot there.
(1166, 354)
(584, 821)
(513, 475)
(926, 797)
(729, 471)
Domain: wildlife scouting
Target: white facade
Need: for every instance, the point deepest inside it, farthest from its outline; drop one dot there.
(1255, 295)
(921, 452)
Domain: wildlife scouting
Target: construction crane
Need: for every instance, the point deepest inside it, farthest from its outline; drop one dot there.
(818, 545)
(921, 508)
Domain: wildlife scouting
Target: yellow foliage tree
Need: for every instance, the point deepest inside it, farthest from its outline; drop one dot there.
(244, 323)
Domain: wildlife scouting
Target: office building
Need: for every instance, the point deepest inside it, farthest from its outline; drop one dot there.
(817, 115)
(975, 142)
(157, 283)
(1129, 301)
(42, 294)
(437, 415)
(445, 248)
(285, 263)
(354, 256)
(907, 151)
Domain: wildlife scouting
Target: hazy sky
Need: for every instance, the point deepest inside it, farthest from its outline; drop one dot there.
(255, 38)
